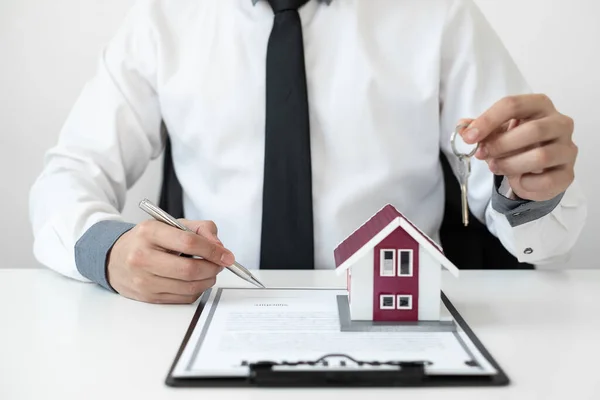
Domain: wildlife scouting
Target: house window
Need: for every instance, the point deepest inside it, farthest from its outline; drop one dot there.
(387, 263)
(386, 302)
(405, 263)
(404, 302)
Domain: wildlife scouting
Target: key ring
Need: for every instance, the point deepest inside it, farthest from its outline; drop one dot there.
(453, 142)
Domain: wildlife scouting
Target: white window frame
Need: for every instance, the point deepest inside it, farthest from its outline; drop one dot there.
(382, 307)
(410, 262)
(410, 302)
(381, 262)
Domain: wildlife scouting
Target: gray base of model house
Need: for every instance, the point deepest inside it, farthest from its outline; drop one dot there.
(347, 325)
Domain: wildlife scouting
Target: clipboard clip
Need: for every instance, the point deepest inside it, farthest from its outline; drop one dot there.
(321, 373)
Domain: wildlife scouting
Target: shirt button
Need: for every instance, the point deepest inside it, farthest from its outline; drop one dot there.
(528, 250)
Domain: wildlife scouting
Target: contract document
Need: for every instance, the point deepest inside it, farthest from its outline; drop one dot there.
(239, 327)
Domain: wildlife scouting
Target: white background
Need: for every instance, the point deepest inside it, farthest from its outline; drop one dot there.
(48, 49)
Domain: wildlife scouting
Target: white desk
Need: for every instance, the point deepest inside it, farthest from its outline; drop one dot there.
(61, 339)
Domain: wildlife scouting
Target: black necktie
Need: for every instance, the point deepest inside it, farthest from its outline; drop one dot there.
(287, 222)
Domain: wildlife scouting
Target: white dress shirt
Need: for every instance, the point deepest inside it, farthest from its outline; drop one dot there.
(388, 81)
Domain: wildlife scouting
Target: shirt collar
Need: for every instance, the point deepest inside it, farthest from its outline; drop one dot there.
(320, 1)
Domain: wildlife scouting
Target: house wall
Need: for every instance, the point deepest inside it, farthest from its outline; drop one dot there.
(361, 288)
(396, 285)
(430, 284)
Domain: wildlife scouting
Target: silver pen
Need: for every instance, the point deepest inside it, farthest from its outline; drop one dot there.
(161, 215)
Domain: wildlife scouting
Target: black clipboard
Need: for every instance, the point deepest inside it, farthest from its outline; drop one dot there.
(402, 374)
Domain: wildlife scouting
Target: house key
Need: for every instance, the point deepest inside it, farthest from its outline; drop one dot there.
(464, 171)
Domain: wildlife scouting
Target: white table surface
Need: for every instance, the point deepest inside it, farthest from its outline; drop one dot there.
(62, 339)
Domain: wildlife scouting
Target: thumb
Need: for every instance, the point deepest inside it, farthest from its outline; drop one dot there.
(207, 229)
(515, 184)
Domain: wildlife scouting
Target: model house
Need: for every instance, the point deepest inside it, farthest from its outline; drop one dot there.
(393, 270)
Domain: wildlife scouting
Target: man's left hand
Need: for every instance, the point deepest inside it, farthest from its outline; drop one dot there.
(527, 140)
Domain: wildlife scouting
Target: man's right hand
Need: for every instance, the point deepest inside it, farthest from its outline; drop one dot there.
(144, 264)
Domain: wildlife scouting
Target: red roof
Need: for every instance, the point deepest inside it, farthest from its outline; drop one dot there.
(370, 229)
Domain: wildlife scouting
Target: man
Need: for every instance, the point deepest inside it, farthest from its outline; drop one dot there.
(290, 125)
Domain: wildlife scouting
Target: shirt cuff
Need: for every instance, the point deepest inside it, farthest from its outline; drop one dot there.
(92, 249)
(519, 211)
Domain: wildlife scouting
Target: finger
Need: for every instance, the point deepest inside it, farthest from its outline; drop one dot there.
(522, 137)
(154, 298)
(167, 298)
(463, 124)
(512, 107)
(533, 160)
(151, 284)
(513, 124)
(481, 152)
(169, 238)
(208, 229)
(167, 265)
(183, 288)
(463, 127)
(547, 185)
